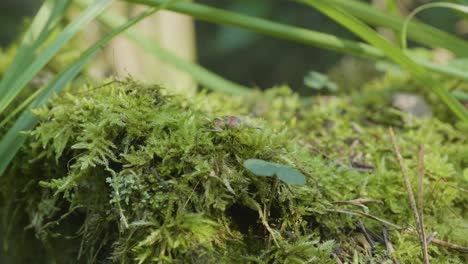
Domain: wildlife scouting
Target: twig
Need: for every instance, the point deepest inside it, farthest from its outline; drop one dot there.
(358, 201)
(57, 222)
(368, 237)
(408, 188)
(431, 238)
(264, 219)
(388, 244)
(365, 208)
(191, 194)
(352, 212)
(450, 245)
(420, 203)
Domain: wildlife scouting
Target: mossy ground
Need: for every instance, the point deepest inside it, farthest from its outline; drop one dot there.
(127, 173)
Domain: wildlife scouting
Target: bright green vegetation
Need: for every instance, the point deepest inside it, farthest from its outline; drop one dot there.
(41, 42)
(126, 172)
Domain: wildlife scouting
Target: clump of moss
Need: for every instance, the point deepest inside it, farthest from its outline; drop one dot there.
(351, 134)
(127, 172)
(138, 176)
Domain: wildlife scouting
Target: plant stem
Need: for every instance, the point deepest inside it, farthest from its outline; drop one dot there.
(404, 171)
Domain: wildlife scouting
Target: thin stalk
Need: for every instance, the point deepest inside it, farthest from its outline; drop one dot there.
(420, 203)
(409, 189)
(419, 32)
(404, 30)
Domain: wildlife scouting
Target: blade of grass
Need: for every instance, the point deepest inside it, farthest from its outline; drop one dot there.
(393, 52)
(292, 33)
(14, 138)
(22, 79)
(22, 106)
(26, 102)
(205, 77)
(460, 2)
(266, 27)
(41, 27)
(404, 30)
(418, 32)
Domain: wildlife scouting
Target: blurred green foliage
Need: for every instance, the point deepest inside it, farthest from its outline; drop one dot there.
(12, 14)
(262, 61)
(245, 57)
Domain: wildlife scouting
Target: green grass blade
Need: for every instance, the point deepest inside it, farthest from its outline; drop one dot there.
(205, 77)
(41, 27)
(22, 106)
(392, 52)
(291, 33)
(446, 70)
(21, 80)
(279, 30)
(404, 30)
(13, 139)
(418, 32)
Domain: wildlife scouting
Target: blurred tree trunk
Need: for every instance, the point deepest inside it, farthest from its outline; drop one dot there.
(169, 30)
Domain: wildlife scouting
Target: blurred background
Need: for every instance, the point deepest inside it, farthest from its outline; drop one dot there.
(241, 56)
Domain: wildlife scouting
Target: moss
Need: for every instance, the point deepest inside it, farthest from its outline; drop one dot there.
(129, 173)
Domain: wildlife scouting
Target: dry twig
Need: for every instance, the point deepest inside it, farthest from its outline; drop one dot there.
(453, 246)
(368, 237)
(389, 246)
(420, 204)
(404, 171)
(437, 242)
(431, 238)
(358, 213)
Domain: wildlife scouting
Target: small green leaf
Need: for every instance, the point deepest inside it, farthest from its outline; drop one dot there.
(319, 81)
(268, 169)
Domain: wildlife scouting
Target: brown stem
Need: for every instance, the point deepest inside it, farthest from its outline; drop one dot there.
(404, 171)
(420, 203)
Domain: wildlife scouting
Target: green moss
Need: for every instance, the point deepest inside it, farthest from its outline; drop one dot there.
(129, 173)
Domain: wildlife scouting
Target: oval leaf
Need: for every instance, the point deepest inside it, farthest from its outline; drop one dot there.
(268, 169)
